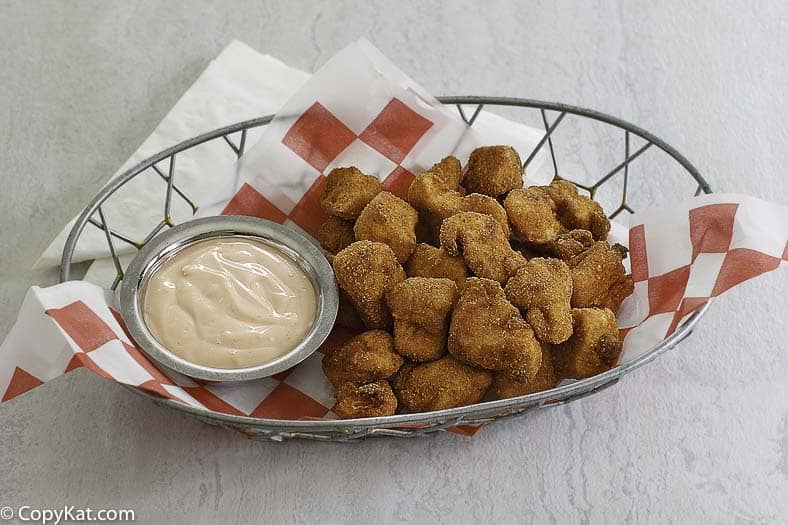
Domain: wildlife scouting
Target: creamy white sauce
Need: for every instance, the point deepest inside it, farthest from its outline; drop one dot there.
(229, 302)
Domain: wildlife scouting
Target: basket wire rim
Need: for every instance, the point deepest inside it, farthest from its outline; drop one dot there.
(454, 416)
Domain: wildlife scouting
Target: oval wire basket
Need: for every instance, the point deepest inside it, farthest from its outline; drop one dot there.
(404, 425)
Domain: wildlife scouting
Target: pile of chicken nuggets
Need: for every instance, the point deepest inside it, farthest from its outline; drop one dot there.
(473, 284)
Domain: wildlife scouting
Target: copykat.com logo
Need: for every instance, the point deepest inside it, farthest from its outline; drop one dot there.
(65, 514)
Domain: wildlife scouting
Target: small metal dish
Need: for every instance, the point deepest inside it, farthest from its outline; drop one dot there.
(164, 246)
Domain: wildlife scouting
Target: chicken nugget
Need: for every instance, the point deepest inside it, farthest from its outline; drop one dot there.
(483, 245)
(390, 220)
(335, 234)
(571, 243)
(367, 357)
(542, 290)
(431, 194)
(429, 261)
(364, 400)
(599, 278)
(445, 383)
(421, 307)
(546, 378)
(493, 171)
(435, 201)
(533, 217)
(487, 331)
(348, 191)
(366, 270)
(594, 346)
(449, 170)
(577, 211)
(487, 206)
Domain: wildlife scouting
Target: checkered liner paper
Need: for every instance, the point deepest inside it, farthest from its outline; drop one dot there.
(359, 109)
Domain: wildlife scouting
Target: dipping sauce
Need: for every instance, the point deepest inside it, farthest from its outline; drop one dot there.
(229, 302)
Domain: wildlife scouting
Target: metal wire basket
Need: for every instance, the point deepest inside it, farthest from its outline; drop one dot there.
(633, 142)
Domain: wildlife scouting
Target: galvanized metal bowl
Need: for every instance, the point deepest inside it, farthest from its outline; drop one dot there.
(661, 167)
(168, 244)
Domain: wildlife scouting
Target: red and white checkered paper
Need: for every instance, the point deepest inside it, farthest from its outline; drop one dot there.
(360, 110)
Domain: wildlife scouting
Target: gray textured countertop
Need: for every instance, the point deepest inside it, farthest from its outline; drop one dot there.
(700, 435)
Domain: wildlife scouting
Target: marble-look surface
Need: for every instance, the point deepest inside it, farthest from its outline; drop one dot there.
(700, 435)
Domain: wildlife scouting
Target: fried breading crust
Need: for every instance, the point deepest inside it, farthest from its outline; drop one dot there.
(487, 331)
(542, 290)
(364, 400)
(367, 357)
(571, 243)
(429, 261)
(483, 245)
(449, 170)
(436, 200)
(578, 211)
(546, 378)
(493, 171)
(533, 217)
(599, 278)
(594, 346)
(421, 307)
(445, 383)
(390, 220)
(483, 204)
(335, 234)
(366, 270)
(348, 191)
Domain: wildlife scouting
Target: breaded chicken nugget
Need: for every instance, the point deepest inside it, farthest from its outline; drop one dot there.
(619, 291)
(488, 206)
(493, 171)
(487, 331)
(335, 234)
(533, 217)
(429, 261)
(348, 191)
(578, 211)
(435, 201)
(366, 270)
(421, 307)
(483, 245)
(367, 357)
(449, 170)
(430, 194)
(542, 290)
(599, 278)
(571, 243)
(390, 220)
(445, 383)
(546, 378)
(364, 400)
(594, 346)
